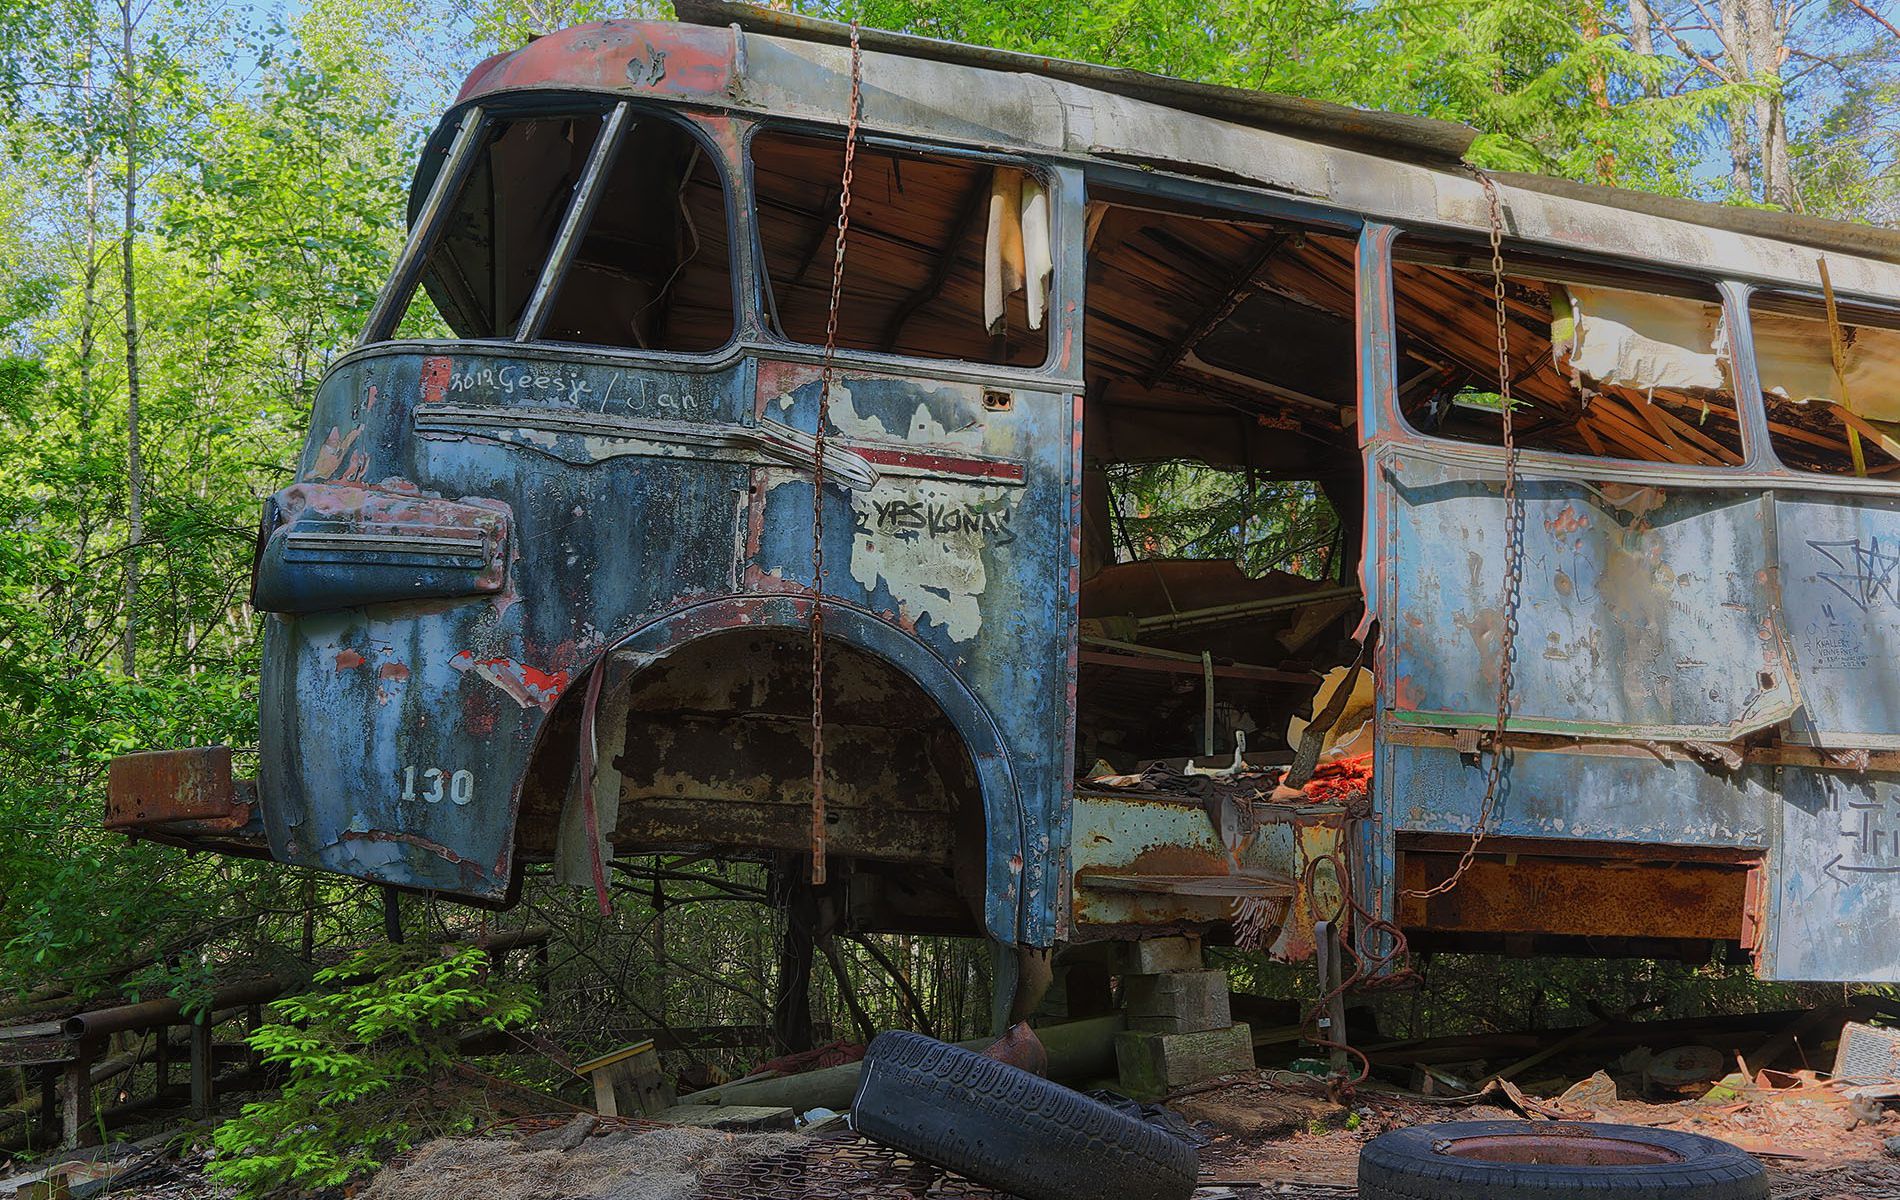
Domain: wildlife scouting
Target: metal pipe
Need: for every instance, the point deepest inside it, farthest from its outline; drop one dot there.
(580, 210)
(153, 1014)
(434, 211)
(1200, 616)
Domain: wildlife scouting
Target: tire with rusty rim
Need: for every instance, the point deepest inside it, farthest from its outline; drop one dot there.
(1517, 1160)
(1012, 1130)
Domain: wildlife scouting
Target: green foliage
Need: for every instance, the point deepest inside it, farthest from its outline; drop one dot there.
(360, 1060)
(1190, 510)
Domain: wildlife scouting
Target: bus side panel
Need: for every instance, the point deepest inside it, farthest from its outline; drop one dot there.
(1835, 877)
(395, 733)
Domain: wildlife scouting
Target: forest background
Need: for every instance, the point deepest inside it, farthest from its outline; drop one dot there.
(198, 201)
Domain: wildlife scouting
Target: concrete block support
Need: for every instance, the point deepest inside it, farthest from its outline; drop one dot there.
(1153, 1064)
(1177, 1002)
(1155, 955)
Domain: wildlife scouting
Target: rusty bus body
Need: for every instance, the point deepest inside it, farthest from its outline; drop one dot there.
(604, 478)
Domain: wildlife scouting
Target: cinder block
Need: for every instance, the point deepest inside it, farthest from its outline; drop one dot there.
(1152, 1064)
(1155, 955)
(1177, 1002)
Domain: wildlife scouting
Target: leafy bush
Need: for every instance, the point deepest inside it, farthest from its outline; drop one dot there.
(366, 1061)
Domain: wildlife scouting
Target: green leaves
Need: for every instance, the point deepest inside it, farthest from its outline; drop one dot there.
(359, 1057)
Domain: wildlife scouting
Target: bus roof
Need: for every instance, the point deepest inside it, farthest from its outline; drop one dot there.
(1389, 167)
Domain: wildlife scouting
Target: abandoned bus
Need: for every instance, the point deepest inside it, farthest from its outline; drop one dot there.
(543, 588)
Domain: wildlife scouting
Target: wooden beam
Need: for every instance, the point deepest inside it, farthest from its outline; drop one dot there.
(1238, 289)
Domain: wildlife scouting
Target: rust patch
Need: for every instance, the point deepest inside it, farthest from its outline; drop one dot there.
(348, 660)
(436, 373)
(170, 785)
(1569, 520)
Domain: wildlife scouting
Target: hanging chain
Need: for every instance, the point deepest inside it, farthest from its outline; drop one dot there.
(1513, 553)
(818, 478)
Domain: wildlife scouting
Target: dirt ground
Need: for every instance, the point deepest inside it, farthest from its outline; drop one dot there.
(1271, 1135)
(1806, 1145)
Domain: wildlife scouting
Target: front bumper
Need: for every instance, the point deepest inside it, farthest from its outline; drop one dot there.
(188, 798)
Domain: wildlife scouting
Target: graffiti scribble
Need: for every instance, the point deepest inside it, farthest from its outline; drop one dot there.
(1867, 575)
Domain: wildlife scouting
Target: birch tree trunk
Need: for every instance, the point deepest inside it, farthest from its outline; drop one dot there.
(1767, 40)
(1735, 47)
(134, 465)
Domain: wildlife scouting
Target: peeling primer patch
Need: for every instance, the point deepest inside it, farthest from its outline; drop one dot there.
(436, 373)
(926, 542)
(527, 686)
(924, 429)
(348, 660)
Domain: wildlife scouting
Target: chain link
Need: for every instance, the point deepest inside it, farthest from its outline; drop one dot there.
(1513, 554)
(818, 475)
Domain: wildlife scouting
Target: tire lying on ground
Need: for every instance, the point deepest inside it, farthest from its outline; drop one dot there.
(1012, 1130)
(1516, 1160)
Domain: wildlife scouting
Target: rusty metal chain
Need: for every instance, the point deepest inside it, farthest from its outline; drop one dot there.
(1513, 554)
(818, 475)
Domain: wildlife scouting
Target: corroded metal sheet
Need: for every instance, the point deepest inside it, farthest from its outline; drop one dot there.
(1834, 878)
(1149, 863)
(1576, 897)
(647, 508)
(1840, 588)
(1613, 794)
(1645, 611)
(162, 786)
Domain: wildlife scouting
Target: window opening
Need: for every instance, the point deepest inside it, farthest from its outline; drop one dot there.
(652, 268)
(1602, 370)
(1221, 484)
(950, 258)
(1816, 414)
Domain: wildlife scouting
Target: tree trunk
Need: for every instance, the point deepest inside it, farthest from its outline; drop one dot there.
(134, 467)
(1735, 47)
(1598, 83)
(1766, 51)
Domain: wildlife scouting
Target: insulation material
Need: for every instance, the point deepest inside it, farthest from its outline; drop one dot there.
(1039, 262)
(1002, 245)
(1354, 718)
(1646, 343)
(1018, 255)
(1796, 361)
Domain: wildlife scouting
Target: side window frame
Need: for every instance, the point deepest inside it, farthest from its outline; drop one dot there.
(1731, 298)
(1746, 296)
(474, 133)
(1062, 290)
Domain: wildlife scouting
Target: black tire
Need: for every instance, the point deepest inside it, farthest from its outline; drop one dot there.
(1012, 1130)
(1417, 1164)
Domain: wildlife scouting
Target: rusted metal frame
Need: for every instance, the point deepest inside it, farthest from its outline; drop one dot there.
(1758, 450)
(1238, 289)
(1372, 854)
(1005, 820)
(580, 212)
(1172, 666)
(1053, 177)
(470, 134)
(1068, 211)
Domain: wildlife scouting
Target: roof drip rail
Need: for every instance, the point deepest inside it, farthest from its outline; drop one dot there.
(428, 224)
(580, 210)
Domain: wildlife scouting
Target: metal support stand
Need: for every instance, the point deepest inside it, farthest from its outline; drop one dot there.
(75, 1098)
(1332, 1022)
(201, 1067)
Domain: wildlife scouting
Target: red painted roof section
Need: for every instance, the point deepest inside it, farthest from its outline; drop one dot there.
(619, 56)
